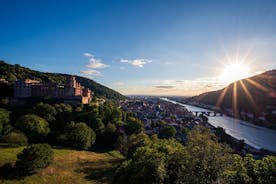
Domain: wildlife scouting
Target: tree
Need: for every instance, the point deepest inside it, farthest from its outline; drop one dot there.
(64, 115)
(266, 169)
(136, 141)
(15, 139)
(4, 119)
(207, 158)
(146, 166)
(46, 111)
(134, 126)
(167, 132)
(121, 144)
(34, 158)
(250, 171)
(176, 166)
(237, 173)
(117, 115)
(34, 127)
(78, 135)
(110, 128)
(98, 126)
(11, 77)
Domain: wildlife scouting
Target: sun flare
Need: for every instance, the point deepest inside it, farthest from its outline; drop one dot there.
(233, 72)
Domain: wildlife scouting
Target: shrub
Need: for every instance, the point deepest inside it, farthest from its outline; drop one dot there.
(34, 158)
(79, 136)
(15, 139)
(34, 127)
(167, 132)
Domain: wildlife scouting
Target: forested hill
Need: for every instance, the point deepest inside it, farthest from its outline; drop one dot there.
(254, 94)
(13, 72)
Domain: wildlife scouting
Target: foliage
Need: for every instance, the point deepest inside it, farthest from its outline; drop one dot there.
(11, 72)
(46, 111)
(207, 158)
(167, 132)
(146, 166)
(155, 160)
(134, 125)
(250, 171)
(15, 139)
(4, 119)
(99, 126)
(33, 158)
(110, 113)
(34, 127)
(136, 141)
(78, 135)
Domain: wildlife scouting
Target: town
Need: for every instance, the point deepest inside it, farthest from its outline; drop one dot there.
(155, 112)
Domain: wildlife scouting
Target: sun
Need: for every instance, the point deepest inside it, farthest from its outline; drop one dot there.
(234, 71)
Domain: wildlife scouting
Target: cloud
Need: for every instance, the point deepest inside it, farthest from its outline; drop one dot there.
(90, 72)
(136, 62)
(87, 54)
(93, 63)
(96, 63)
(164, 87)
(185, 87)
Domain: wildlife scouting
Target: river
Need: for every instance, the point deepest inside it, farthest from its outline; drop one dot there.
(256, 136)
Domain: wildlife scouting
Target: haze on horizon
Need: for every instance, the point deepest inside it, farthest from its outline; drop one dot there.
(156, 47)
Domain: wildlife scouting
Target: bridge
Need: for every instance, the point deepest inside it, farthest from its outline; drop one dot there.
(207, 113)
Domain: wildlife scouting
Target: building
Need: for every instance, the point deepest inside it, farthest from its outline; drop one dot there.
(3, 81)
(71, 90)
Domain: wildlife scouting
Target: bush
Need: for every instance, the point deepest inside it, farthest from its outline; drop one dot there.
(15, 139)
(167, 132)
(134, 126)
(34, 127)
(34, 158)
(79, 136)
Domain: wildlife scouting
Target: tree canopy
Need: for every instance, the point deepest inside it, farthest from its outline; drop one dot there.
(78, 135)
(34, 127)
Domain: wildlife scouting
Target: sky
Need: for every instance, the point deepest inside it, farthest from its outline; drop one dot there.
(153, 47)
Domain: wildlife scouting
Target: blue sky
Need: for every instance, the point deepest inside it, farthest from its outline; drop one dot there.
(163, 47)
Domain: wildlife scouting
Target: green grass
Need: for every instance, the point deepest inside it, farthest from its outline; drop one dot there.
(69, 166)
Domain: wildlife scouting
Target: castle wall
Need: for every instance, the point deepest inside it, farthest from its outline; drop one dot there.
(71, 90)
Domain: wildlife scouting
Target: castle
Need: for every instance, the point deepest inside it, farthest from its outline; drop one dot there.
(71, 90)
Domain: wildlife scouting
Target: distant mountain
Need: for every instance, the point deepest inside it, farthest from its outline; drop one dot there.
(12, 72)
(255, 94)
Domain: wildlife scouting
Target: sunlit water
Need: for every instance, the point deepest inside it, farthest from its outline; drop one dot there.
(256, 136)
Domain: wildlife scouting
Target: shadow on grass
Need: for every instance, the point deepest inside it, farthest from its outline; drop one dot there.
(100, 171)
(9, 172)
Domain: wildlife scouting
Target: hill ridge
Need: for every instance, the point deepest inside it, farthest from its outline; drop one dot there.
(254, 95)
(11, 72)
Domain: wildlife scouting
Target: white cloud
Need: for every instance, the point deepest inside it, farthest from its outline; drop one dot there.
(124, 61)
(87, 54)
(136, 62)
(92, 64)
(90, 72)
(96, 63)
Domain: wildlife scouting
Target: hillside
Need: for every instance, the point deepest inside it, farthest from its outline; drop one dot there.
(255, 94)
(69, 166)
(13, 72)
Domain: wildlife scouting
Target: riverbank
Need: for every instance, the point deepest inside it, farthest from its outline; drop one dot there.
(259, 138)
(248, 117)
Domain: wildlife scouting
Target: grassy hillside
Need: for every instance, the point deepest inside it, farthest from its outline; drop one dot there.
(69, 166)
(13, 72)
